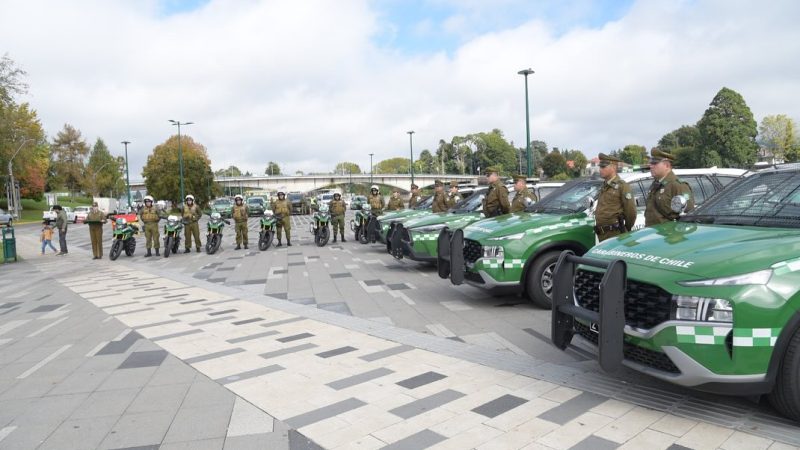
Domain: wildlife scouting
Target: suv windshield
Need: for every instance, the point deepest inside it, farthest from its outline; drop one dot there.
(570, 198)
(425, 203)
(255, 200)
(295, 197)
(767, 199)
(472, 203)
(222, 202)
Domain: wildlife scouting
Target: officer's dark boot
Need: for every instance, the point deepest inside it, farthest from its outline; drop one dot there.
(158, 254)
(238, 247)
(334, 238)
(343, 239)
(288, 242)
(245, 246)
(187, 250)
(198, 249)
(148, 254)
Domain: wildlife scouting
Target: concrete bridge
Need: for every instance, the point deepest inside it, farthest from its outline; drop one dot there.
(306, 183)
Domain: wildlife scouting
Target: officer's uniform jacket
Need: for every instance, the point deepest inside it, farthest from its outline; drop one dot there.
(439, 202)
(239, 213)
(522, 199)
(660, 196)
(615, 202)
(496, 201)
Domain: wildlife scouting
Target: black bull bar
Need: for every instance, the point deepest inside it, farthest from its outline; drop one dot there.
(610, 320)
(450, 255)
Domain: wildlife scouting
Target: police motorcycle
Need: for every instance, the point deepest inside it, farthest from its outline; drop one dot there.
(269, 224)
(172, 235)
(214, 232)
(123, 238)
(359, 224)
(320, 225)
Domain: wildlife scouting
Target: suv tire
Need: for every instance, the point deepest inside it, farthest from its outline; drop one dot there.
(539, 279)
(785, 396)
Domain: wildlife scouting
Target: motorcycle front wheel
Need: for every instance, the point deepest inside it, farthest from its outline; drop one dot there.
(212, 245)
(176, 245)
(116, 249)
(362, 237)
(130, 246)
(265, 240)
(218, 242)
(168, 243)
(323, 235)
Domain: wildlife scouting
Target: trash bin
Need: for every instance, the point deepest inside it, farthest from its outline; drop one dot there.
(9, 244)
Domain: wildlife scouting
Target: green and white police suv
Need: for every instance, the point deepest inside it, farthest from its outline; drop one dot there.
(385, 221)
(518, 252)
(710, 302)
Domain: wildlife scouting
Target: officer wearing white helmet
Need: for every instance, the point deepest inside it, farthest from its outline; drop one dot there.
(283, 210)
(150, 215)
(240, 218)
(376, 200)
(191, 214)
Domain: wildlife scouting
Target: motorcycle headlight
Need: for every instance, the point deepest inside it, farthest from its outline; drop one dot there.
(702, 309)
(121, 222)
(758, 278)
(493, 251)
(508, 237)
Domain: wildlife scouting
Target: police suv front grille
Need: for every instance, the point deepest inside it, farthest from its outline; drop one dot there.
(643, 356)
(405, 236)
(472, 251)
(645, 305)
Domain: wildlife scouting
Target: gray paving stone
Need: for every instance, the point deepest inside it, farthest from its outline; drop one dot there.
(205, 392)
(323, 413)
(250, 374)
(46, 308)
(189, 302)
(215, 355)
(286, 351)
(304, 301)
(398, 286)
(337, 307)
(252, 337)
(336, 352)
(295, 337)
(79, 433)
(79, 382)
(105, 403)
(138, 430)
(386, 353)
(373, 282)
(299, 442)
(157, 324)
(261, 441)
(341, 275)
(176, 335)
(246, 321)
(120, 346)
(215, 320)
(50, 410)
(595, 443)
(425, 404)
(127, 378)
(421, 380)
(499, 405)
(162, 398)
(219, 313)
(359, 378)
(572, 408)
(423, 439)
(137, 360)
(173, 371)
(193, 424)
(205, 444)
(194, 311)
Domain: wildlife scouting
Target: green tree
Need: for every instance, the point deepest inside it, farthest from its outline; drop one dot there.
(272, 169)
(231, 171)
(393, 165)
(496, 151)
(728, 131)
(777, 134)
(683, 143)
(102, 171)
(346, 168)
(633, 154)
(444, 154)
(576, 162)
(554, 163)
(20, 129)
(68, 152)
(162, 171)
(11, 80)
(425, 163)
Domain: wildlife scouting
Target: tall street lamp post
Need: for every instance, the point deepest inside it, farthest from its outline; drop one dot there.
(411, 146)
(527, 72)
(127, 176)
(13, 196)
(370, 168)
(180, 151)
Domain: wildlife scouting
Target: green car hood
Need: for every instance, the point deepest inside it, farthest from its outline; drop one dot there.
(403, 215)
(522, 222)
(449, 219)
(703, 251)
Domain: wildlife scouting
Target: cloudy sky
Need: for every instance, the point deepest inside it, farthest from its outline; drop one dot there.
(309, 83)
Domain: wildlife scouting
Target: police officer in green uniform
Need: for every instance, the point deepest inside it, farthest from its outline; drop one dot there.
(281, 207)
(453, 196)
(150, 215)
(239, 215)
(96, 218)
(414, 200)
(496, 201)
(523, 196)
(191, 214)
(337, 209)
(376, 201)
(616, 208)
(439, 197)
(395, 202)
(666, 185)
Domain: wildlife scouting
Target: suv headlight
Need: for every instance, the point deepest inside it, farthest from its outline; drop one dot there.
(702, 309)
(760, 277)
(493, 251)
(508, 237)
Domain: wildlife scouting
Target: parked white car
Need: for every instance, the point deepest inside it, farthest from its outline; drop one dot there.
(51, 215)
(81, 213)
(5, 218)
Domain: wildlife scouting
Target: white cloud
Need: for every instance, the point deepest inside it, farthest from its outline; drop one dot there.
(302, 83)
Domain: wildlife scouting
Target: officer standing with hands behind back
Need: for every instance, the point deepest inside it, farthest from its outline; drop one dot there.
(337, 208)
(453, 196)
(150, 215)
(439, 198)
(666, 185)
(191, 214)
(616, 208)
(524, 196)
(496, 201)
(282, 208)
(414, 200)
(240, 219)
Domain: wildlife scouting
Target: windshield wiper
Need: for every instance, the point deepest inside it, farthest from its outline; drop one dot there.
(701, 218)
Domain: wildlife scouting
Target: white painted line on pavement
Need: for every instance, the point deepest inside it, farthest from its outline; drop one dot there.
(96, 349)
(122, 335)
(47, 327)
(4, 432)
(41, 363)
(11, 325)
(107, 319)
(3, 341)
(55, 314)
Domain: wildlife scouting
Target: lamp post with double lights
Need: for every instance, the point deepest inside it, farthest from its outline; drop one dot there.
(411, 146)
(127, 176)
(527, 72)
(13, 193)
(180, 151)
(370, 169)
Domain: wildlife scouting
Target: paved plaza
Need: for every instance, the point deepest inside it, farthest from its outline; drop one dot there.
(306, 347)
